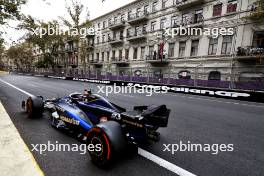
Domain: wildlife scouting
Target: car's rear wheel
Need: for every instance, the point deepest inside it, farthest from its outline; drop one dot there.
(102, 153)
(108, 137)
(34, 107)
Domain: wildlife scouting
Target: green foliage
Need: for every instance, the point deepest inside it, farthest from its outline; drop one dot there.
(10, 10)
(30, 24)
(21, 54)
(258, 15)
(47, 62)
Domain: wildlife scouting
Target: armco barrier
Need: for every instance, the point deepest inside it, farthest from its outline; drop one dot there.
(182, 86)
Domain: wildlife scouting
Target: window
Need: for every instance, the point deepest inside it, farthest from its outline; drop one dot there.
(151, 50)
(103, 38)
(104, 24)
(115, 20)
(144, 29)
(213, 46)
(109, 37)
(98, 40)
(126, 54)
(137, 30)
(214, 75)
(142, 52)
(121, 35)
(164, 3)
(194, 48)
(97, 57)
(129, 14)
(182, 49)
(231, 6)
(128, 32)
(171, 49)
(113, 54)
(109, 22)
(217, 10)
(103, 56)
(153, 26)
(108, 55)
(135, 53)
(99, 25)
(146, 9)
(184, 74)
(227, 44)
(120, 54)
(198, 16)
(185, 18)
(174, 21)
(154, 6)
(138, 12)
(123, 17)
(162, 23)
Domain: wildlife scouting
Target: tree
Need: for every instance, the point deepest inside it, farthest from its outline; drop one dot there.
(45, 42)
(75, 11)
(10, 10)
(258, 12)
(22, 56)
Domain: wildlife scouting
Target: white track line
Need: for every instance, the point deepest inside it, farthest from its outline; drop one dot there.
(219, 101)
(161, 162)
(30, 95)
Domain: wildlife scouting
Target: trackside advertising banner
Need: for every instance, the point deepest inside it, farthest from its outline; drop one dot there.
(212, 92)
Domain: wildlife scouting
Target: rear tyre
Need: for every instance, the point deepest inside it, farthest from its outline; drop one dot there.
(108, 140)
(34, 107)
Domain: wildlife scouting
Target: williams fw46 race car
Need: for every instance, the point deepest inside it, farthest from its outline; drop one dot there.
(96, 120)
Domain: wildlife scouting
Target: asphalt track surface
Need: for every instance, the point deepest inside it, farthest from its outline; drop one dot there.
(200, 120)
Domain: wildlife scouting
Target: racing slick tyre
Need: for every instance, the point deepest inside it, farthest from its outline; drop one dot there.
(109, 139)
(34, 106)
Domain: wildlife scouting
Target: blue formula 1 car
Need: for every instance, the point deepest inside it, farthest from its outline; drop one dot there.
(98, 121)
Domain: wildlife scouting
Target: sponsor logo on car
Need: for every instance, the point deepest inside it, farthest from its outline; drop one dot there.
(69, 120)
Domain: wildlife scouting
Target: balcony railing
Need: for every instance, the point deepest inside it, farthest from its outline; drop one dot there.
(138, 17)
(183, 4)
(71, 49)
(90, 46)
(119, 60)
(136, 35)
(116, 40)
(156, 58)
(117, 24)
(250, 52)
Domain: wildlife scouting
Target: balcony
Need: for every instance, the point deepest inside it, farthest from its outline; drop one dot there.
(135, 36)
(96, 63)
(71, 49)
(119, 60)
(249, 53)
(90, 46)
(116, 40)
(116, 25)
(184, 4)
(138, 17)
(155, 59)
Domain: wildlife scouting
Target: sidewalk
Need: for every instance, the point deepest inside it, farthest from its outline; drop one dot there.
(15, 157)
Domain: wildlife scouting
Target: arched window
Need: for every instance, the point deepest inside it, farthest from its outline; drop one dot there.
(214, 75)
(184, 74)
